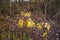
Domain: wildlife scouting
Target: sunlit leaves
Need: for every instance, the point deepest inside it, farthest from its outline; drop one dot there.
(47, 25)
(28, 14)
(39, 26)
(44, 34)
(30, 23)
(21, 23)
(22, 13)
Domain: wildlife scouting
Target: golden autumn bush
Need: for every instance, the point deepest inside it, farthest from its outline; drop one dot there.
(30, 23)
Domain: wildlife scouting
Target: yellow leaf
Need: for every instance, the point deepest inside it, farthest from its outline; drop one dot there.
(28, 14)
(30, 23)
(39, 26)
(47, 25)
(21, 23)
(44, 34)
(22, 13)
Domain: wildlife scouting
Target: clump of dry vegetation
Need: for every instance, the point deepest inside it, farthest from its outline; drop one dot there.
(46, 12)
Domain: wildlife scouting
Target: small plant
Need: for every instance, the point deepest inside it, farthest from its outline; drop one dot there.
(25, 37)
(13, 36)
(4, 36)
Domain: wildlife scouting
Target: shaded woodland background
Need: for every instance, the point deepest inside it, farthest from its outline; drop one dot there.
(47, 10)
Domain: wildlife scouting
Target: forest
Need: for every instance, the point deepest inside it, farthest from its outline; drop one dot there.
(29, 19)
